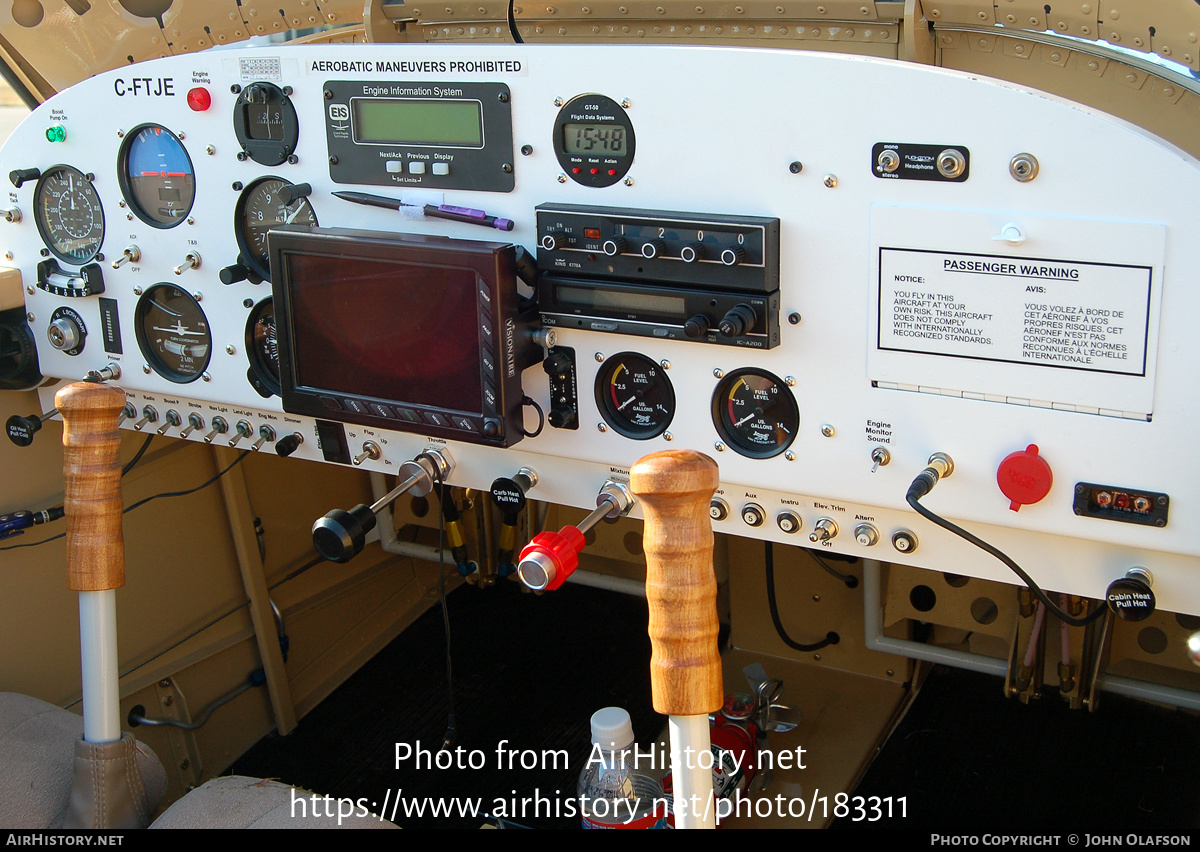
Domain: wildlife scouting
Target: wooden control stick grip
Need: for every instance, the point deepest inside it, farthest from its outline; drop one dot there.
(92, 470)
(675, 488)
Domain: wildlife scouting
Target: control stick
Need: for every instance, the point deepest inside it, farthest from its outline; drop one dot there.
(341, 534)
(551, 557)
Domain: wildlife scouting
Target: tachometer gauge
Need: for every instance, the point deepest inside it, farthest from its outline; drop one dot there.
(173, 333)
(262, 347)
(755, 413)
(259, 209)
(68, 214)
(635, 396)
(156, 176)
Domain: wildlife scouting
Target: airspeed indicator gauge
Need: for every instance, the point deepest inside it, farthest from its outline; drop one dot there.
(635, 396)
(755, 413)
(68, 214)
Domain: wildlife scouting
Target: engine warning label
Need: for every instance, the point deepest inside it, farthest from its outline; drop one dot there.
(1055, 313)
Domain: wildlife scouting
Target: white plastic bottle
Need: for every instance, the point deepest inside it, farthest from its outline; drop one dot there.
(615, 790)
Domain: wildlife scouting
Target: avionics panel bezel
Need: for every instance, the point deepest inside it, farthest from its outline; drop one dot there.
(490, 415)
(410, 163)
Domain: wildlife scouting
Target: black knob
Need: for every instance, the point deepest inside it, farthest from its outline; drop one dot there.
(615, 246)
(653, 249)
(233, 274)
(556, 364)
(256, 93)
(562, 417)
(492, 427)
(19, 176)
(340, 535)
(22, 429)
(554, 240)
(509, 497)
(1130, 598)
(288, 194)
(697, 326)
(692, 252)
(733, 256)
(288, 444)
(738, 321)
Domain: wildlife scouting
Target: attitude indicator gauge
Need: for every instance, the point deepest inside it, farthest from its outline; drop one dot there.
(265, 204)
(156, 175)
(755, 413)
(635, 396)
(173, 333)
(68, 214)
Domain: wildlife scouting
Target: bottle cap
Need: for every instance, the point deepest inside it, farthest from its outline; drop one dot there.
(612, 728)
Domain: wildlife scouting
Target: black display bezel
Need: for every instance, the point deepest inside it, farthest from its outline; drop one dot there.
(495, 417)
(601, 111)
(127, 189)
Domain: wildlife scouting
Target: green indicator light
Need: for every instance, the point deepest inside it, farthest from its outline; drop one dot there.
(56, 134)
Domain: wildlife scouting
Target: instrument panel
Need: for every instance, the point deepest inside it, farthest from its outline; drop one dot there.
(727, 271)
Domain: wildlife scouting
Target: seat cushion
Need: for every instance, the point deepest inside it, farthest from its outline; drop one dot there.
(235, 801)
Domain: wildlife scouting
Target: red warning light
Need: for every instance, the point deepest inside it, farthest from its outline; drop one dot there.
(199, 99)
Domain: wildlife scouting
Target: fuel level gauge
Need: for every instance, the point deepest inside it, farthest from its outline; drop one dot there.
(635, 396)
(755, 413)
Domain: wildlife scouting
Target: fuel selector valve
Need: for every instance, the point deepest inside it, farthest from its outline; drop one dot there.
(551, 557)
(509, 497)
(341, 534)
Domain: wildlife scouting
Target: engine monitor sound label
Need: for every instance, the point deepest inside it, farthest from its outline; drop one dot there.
(1068, 314)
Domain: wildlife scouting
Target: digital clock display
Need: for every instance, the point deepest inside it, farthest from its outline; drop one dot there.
(594, 139)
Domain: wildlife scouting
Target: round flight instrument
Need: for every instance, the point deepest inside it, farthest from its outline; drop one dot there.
(755, 413)
(262, 347)
(173, 333)
(265, 123)
(68, 214)
(259, 209)
(635, 396)
(156, 175)
(593, 140)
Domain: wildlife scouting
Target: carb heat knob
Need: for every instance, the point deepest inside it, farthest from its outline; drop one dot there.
(738, 321)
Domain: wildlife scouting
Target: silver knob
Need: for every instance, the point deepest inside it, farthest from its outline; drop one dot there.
(64, 334)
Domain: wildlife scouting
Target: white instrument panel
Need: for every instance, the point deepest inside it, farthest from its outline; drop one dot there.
(973, 317)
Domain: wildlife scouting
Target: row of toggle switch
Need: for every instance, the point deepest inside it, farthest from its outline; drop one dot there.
(825, 529)
(218, 428)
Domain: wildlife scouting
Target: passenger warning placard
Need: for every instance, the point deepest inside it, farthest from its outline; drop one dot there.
(1055, 313)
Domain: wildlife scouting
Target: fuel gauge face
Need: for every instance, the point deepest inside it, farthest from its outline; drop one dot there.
(635, 396)
(755, 413)
(173, 333)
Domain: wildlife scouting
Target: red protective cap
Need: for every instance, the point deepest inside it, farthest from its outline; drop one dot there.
(561, 548)
(199, 99)
(1024, 477)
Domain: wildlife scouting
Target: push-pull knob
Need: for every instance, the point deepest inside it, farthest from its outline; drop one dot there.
(288, 444)
(552, 557)
(1131, 598)
(22, 429)
(341, 534)
(509, 497)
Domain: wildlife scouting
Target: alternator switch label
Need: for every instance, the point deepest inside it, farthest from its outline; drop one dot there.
(1055, 313)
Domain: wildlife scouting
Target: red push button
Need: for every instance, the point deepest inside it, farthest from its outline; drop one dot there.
(1024, 477)
(199, 99)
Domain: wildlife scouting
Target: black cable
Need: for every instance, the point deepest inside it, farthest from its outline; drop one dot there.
(831, 638)
(849, 579)
(512, 23)
(143, 502)
(541, 418)
(137, 457)
(923, 484)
